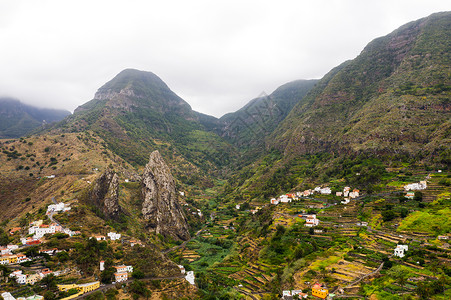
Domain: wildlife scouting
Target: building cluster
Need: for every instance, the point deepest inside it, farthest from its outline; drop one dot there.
(346, 193)
(422, 185)
(39, 229)
(288, 295)
(112, 235)
(29, 278)
(10, 259)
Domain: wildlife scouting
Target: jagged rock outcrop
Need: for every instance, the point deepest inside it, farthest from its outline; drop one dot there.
(160, 204)
(105, 194)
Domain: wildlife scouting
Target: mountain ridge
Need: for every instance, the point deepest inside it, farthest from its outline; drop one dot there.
(18, 119)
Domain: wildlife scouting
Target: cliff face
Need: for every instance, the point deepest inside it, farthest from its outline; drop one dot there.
(160, 206)
(105, 194)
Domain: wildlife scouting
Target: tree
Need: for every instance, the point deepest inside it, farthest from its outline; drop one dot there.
(388, 215)
(107, 275)
(48, 295)
(49, 281)
(138, 288)
(418, 196)
(400, 274)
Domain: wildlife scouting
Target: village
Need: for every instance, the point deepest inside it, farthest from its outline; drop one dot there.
(38, 233)
(322, 211)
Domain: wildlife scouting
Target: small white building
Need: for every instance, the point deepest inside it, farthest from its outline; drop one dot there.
(12, 247)
(102, 265)
(399, 250)
(40, 231)
(98, 237)
(275, 201)
(5, 251)
(284, 199)
(57, 207)
(8, 296)
(237, 206)
(345, 201)
(120, 277)
(326, 191)
(190, 277)
(114, 236)
(286, 293)
(339, 194)
(182, 269)
(311, 221)
(20, 278)
(123, 268)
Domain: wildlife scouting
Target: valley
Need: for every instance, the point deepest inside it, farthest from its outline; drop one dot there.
(330, 188)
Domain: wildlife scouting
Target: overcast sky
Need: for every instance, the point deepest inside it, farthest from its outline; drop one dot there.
(217, 55)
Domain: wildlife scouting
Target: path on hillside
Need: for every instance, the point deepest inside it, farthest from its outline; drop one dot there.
(365, 276)
(185, 242)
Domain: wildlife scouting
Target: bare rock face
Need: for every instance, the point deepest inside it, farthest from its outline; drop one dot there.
(160, 206)
(105, 194)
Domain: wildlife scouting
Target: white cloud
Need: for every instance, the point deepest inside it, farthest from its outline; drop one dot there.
(216, 55)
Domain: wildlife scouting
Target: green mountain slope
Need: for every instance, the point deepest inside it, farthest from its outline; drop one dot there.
(393, 98)
(18, 119)
(390, 105)
(136, 113)
(249, 125)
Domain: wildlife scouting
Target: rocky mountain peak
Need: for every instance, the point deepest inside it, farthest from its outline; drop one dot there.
(105, 194)
(160, 204)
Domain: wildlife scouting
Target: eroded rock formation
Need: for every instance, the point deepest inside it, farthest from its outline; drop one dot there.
(160, 204)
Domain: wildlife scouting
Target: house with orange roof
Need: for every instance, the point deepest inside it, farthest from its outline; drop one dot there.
(14, 230)
(320, 291)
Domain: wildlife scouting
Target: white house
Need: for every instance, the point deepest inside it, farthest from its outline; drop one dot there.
(40, 231)
(338, 194)
(286, 293)
(114, 236)
(275, 201)
(99, 237)
(190, 277)
(284, 199)
(345, 201)
(311, 221)
(8, 296)
(20, 278)
(326, 191)
(123, 268)
(300, 293)
(22, 258)
(5, 251)
(399, 250)
(12, 247)
(102, 265)
(307, 193)
(182, 269)
(57, 207)
(119, 277)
